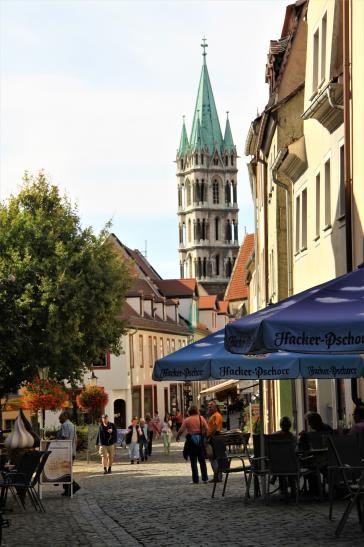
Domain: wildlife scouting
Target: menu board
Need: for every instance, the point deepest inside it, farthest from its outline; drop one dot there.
(58, 469)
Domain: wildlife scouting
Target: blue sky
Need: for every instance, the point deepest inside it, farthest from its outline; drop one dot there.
(93, 92)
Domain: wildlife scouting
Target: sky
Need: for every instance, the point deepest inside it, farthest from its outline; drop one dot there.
(93, 92)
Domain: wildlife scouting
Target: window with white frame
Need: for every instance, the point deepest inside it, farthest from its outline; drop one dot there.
(304, 220)
(323, 46)
(298, 223)
(318, 205)
(341, 184)
(315, 65)
(141, 352)
(327, 193)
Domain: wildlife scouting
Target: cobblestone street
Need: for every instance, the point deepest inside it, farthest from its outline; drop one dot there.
(154, 504)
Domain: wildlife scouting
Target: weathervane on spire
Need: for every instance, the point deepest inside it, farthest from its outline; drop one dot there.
(204, 46)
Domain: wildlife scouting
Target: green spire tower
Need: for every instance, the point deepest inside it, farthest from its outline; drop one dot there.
(207, 193)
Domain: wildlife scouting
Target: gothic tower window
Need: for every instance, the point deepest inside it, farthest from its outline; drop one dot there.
(227, 193)
(217, 223)
(215, 192)
(181, 270)
(228, 231)
(229, 267)
(189, 230)
(198, 230)
(203, 229)
(202, 191)
(204, 267)
(181, 164)
(179, 197)
(190, 266)
(199, 267)
(232, 160)
(198, 192)
(183, 233)
(194, 231)
(202, 159)
(196, 159)
(235, 231)
(188, 192)
(235, 199)
(217, 262)
(180, 234)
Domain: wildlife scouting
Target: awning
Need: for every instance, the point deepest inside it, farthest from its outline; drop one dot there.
(221, 387)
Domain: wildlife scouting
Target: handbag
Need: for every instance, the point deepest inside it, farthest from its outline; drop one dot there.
(206, 445)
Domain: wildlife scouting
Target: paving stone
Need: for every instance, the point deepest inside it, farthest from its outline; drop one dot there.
(153, 505)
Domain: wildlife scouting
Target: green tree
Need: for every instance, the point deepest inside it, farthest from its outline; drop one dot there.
(62, 288)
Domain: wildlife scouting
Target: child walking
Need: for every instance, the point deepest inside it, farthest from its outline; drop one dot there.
(166, 433)
(132, 439)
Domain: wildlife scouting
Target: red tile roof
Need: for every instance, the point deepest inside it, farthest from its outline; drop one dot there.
(207, 302)
(176, 287)
(237, 288)
(223, 306)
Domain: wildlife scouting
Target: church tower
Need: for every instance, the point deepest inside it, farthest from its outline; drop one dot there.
(207, 194)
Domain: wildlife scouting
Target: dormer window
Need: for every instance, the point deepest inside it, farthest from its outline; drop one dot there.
(202, 159)
(216, 160)
(232, 160)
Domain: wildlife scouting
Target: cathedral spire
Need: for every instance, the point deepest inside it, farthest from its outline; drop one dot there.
(228, 137)
(183, 144)
(206, 113)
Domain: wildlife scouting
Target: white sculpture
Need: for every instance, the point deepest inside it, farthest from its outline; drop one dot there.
(19, 437)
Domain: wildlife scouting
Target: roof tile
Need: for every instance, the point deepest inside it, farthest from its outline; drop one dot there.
(237, 288)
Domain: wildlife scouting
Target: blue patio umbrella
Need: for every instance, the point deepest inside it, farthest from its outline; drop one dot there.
(207, 359)
(328, 318)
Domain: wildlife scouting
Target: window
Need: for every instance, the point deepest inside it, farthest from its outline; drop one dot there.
(217, 262)
(155, 349)
(202, 159)
(131, 350)
(179, 343)
(173, 345)
(215, 192)
(304, 221)
(226, 161)
(136, 401)
(298, 223)
(216, 160)
(323, 47)
(102, 362)
(327, 194)
(141, 352)
(342, 184)
(168, 346)
(148, 400)
(318, 205)
(315, 61)
(150, 351)
(188, 196)
(232, 160)
(217, 222)
(161, 347)
(189, 230)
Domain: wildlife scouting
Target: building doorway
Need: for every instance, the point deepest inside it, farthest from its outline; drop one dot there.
(120, 413)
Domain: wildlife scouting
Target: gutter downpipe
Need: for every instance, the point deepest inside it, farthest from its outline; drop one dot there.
(288, 191)
(347, 159)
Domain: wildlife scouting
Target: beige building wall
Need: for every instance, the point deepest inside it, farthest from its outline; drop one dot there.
(357, 133)
(318, 212)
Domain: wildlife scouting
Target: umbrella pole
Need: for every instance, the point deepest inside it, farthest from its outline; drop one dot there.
(261, 433)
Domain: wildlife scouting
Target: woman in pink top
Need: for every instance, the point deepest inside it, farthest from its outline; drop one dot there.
(194, 427)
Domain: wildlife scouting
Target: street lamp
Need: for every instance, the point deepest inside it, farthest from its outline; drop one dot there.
(92, 379)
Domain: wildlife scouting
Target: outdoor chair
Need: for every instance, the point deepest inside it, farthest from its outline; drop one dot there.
(25, 478)
(224, 463)
(258, 468)
(346, 472)
(236, 441)
(284, 464)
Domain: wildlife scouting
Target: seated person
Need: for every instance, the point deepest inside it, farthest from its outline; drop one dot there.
(285, 424)
(318, 462)
(316, 424)
(358, 416)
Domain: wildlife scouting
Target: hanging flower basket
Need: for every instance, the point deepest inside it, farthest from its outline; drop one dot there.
(92, 398)
(43, 395)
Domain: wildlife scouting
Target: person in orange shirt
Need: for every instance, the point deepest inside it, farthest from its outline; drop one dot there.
(214, 427)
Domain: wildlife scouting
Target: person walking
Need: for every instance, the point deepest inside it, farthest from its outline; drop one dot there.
(214, 427)
(105, 441)
(166, 433)
(195, 427)
(178, 420)
(143, 442)
(132, 439)
(68, 431)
